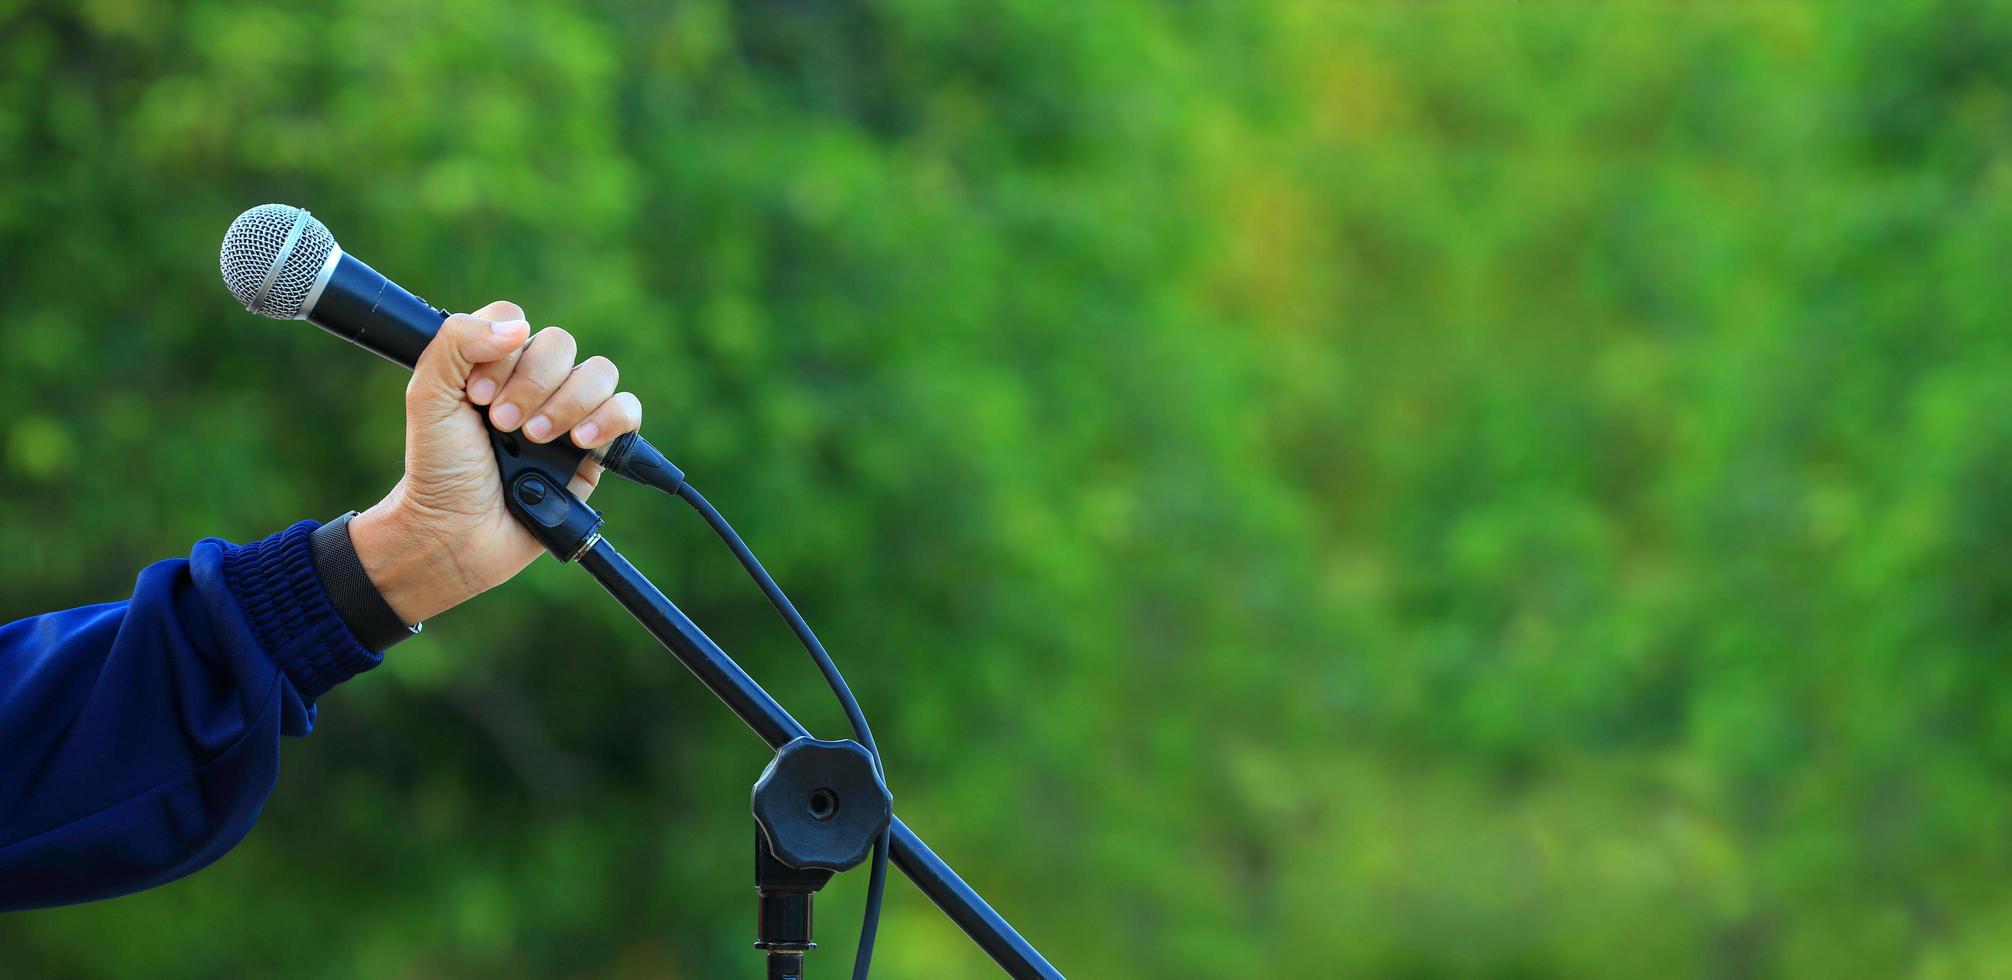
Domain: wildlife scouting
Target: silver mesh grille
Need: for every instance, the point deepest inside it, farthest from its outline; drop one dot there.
(255, 241)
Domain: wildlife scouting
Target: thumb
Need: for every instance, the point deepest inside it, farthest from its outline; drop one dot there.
(464, 341)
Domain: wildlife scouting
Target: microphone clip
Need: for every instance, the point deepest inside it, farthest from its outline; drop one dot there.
(534, 479)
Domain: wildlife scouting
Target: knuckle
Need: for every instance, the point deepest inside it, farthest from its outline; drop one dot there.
(556, 337)
(463, 328)
(601, 367)
(549, 382)
(568, 404)
(536, 381)
(519, 391)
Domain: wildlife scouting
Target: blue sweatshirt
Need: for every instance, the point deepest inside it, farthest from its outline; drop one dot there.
(139, 739)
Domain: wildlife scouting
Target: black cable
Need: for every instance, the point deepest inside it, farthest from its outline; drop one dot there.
(877, 882)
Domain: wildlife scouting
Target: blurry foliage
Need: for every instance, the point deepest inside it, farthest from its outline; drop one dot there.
(1303, 489)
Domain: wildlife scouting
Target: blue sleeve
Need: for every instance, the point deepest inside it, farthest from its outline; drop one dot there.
(139, 739)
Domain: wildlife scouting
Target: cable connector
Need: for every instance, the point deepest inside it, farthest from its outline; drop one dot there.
(632, 457)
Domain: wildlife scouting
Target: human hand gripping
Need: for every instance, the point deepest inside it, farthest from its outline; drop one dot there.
(443, 536)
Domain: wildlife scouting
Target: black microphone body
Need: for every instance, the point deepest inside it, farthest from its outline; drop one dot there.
(360, 305)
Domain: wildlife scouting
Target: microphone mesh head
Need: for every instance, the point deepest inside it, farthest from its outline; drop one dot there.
(255, 241)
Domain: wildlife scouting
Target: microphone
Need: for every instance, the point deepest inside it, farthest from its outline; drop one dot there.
(280, 262)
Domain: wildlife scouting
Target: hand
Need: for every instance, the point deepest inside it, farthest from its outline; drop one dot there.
(442, 535)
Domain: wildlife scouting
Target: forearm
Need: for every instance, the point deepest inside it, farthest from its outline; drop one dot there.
(143, 736)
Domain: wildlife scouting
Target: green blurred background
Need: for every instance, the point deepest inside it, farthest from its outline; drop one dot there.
(1365, 489)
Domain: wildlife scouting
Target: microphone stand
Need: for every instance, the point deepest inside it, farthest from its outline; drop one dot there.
(534, 483)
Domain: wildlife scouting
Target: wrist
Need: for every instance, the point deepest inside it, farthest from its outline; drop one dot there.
(410, 568)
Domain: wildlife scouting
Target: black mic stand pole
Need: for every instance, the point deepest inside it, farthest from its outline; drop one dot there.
(534, 487)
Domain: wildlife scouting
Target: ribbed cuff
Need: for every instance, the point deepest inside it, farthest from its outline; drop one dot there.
(275, 583)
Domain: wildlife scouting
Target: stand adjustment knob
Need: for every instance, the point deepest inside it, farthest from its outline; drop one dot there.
(822, 804)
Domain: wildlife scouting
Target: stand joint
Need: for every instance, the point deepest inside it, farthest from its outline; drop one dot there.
(818, 808)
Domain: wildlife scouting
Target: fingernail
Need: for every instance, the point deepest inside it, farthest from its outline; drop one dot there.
(483, 390)
(502, 327)
(539, 427)
(585, 433)
(504, 415)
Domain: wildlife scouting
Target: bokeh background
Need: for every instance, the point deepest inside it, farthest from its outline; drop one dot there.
(1322, 489)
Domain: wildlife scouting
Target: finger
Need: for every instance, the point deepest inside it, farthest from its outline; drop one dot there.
(464, 341)
(487, 379)
(541, 368)
(610, 420)
(586, 479)
(590, 384)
